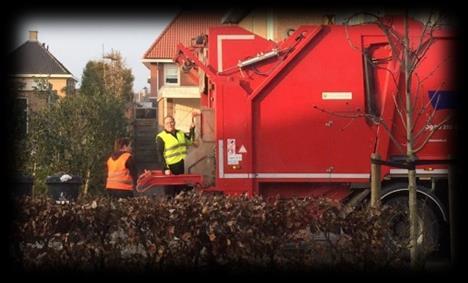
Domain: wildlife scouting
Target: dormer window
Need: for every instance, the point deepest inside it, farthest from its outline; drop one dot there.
(171, 74)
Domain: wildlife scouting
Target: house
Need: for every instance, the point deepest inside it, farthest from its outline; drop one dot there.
(33, 62)
(176, 92)
(34, 67)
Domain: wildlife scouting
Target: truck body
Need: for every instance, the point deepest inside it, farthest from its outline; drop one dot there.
(301, 117)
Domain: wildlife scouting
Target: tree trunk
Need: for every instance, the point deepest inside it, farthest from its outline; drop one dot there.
(375, 181)
(412, 203)
(88, 174)
(413, 218)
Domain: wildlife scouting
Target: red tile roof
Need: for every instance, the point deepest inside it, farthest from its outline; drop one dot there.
(182, 29)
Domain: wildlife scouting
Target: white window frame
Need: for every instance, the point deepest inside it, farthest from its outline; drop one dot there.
(166, 69)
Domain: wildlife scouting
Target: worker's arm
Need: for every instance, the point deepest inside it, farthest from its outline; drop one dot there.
(190, 135)
(130, 164)
(160, 152)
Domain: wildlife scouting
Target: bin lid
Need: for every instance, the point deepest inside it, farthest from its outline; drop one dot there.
(65, 178)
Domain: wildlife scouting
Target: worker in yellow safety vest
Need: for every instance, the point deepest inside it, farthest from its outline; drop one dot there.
(121, 176)
(172, 146)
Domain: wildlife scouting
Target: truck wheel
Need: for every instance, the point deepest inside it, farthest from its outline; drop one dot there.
(428, 225)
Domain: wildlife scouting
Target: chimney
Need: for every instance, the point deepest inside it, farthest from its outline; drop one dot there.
(33, 35)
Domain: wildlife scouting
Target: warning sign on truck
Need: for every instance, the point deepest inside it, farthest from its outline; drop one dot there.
(232, 157)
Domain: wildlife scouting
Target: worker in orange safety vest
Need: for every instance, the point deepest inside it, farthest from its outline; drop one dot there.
(121, 171)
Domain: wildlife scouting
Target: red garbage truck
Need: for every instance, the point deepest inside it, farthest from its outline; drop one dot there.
(302, 117)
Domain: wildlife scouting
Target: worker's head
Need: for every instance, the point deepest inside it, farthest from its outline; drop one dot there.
(122, 144)
(169, 123)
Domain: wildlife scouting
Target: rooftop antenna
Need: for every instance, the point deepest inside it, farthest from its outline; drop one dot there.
(103, 67)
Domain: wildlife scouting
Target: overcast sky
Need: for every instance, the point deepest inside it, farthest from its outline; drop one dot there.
(76, 40)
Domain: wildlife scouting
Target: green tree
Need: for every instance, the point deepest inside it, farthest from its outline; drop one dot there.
(44, 90)
(108, 76)
(16, 126)
(76, 136)
(92, 80)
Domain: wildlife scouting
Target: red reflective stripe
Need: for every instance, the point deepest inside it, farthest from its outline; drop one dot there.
(175, 154)
(118, 174)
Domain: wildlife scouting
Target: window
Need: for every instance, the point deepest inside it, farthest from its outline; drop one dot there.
(171, 74)
(70, 87)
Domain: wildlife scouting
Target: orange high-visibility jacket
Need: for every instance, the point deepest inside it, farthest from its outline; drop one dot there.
(118, 176)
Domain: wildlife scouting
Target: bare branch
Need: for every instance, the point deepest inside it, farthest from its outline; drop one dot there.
(344, 115)
(375, 119)
(388, 31)
(426, 25)
(391, 73)
(432, 131)
(429, 120)
(419, 54)
(347, 125)
(390, 134)
(399, 111)
(415, 101)
(437, 67)
(391, 37)
(346, 24)
(423, 46)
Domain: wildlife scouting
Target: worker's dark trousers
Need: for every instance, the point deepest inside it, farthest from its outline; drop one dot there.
(115, 193)
(176, 169)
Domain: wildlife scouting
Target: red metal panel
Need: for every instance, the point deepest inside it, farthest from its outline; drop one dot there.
(281, 120)
(292, 135)
(157, 178)
(336, 192)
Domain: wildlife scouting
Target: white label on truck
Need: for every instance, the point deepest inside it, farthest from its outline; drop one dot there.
(337, 95)
(232, 157)
(231, 146)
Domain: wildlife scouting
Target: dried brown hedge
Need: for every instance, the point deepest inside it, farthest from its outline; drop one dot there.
(199, 231)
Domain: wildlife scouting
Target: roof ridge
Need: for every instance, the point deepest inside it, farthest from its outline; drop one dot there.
(161, 35)
(56, 60)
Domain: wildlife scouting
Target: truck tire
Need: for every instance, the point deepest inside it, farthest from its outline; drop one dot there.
(429, 218)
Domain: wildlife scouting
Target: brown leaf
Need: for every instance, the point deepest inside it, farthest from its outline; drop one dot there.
(152, 249)
(212, 237)
(171, 230)
(186, 236)
(161, 251)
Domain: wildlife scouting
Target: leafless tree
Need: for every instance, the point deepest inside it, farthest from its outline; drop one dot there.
(418, 118)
